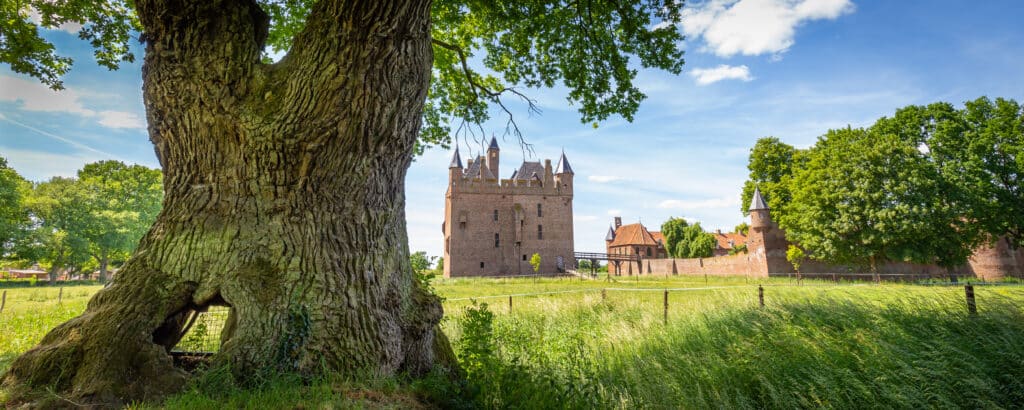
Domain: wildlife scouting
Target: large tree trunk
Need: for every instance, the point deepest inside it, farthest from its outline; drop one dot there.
(104, 261)
(284, 200)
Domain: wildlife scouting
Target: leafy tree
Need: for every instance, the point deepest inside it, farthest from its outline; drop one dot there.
(58, 239)
(795, 256)
(284, 182)
(771, 166)
(535, 262)
(674, 231)
(742, 228)
(440, 265)
(683, 240)
(695, 243)
(865, 196)
(420, 261)
(123, 201)
(980, 150)
(14, 220)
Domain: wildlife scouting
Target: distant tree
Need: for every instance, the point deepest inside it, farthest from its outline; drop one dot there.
(440, 264)
(771, 166)
(122, 201)
(742, 228)
(584, 265)
(58, 238)
(865, 196)
(14, 220)
(420, 261)
(535, 263)
(674, 231)
(696, 243)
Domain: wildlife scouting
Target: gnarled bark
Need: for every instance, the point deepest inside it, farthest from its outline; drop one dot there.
(284, 200)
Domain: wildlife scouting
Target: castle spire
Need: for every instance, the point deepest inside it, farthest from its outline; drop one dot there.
(611, 234)
(456, 160)
(757, 203)
(494, 143)
(563, 165)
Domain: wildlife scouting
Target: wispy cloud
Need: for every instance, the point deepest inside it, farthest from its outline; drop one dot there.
(705, 76)
(685, 204)
(614, 212)
(65, 140)
(601, 179)
(34, 96)
(584, 218)
(755, 27)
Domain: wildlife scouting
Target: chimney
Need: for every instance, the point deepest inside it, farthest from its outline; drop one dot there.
(618, 222)
(718, 231)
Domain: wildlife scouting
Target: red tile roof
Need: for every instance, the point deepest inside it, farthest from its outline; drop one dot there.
(724, 238)
(634, 234)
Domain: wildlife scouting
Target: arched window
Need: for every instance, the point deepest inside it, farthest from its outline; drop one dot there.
(540, 212)
(496, 241)
(540, 232)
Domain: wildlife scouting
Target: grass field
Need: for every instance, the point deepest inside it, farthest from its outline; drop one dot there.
(816, 345)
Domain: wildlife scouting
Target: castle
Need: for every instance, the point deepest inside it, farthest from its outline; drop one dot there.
(493, 226)
(766, 255)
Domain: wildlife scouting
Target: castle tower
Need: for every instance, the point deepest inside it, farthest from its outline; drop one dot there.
(493, 155)
(760, 219)
(564, 174)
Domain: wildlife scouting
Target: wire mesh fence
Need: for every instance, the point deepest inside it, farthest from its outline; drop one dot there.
(204, 330)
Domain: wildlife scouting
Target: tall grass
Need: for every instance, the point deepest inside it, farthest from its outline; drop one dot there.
(817, 345)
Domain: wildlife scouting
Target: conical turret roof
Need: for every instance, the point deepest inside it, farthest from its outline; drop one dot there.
(563, 165)
(494, 143)
(757, 203)
(456, 160)
(611, 234)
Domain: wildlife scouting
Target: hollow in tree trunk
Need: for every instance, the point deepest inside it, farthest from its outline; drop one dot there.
(284, 199)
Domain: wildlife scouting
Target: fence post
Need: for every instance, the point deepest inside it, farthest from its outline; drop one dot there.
(972, 308)
(60, 296)
(760, 295)
(665, 317)
(3, 301)
(510, 304)
(835, 278)
(604, 295)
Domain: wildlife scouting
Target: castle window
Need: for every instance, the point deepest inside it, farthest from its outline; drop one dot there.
(496, 241)
(462, 225)
(524, 256)
(481, 265)
(540, 232)
(495, 215)
(540, 213)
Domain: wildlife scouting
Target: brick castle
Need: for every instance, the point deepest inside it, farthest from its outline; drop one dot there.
(495, 225)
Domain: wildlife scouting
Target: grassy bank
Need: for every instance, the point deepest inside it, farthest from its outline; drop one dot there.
(576, 346)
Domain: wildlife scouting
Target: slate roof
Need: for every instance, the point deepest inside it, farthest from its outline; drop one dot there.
(528, 170)
(757, 202)
(478, 169)
(611, 234)
(494, 143)
(563, 165)
(633, 234)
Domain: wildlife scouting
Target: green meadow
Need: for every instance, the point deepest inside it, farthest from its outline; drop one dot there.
(571, 343)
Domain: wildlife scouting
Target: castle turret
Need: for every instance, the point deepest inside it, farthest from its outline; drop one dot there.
(493, 155)
(611, 234)
(760, 219)
(455, 168)
(564, 174)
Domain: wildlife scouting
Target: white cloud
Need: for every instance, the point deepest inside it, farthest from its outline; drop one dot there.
(70, 27)
(705, 76)
(614, 212)
(604, 178)
(34, 96)
(584, 218)
(683, 204)
(121, 119)
(754, 27)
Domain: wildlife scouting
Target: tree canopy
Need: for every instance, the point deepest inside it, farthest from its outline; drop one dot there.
(771, 165)
(484, 52)
(684, 240)
(13, 215)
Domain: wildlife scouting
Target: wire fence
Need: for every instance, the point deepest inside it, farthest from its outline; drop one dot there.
(203, 329)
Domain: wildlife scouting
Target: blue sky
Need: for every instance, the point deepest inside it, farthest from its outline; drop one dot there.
(786, 68)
